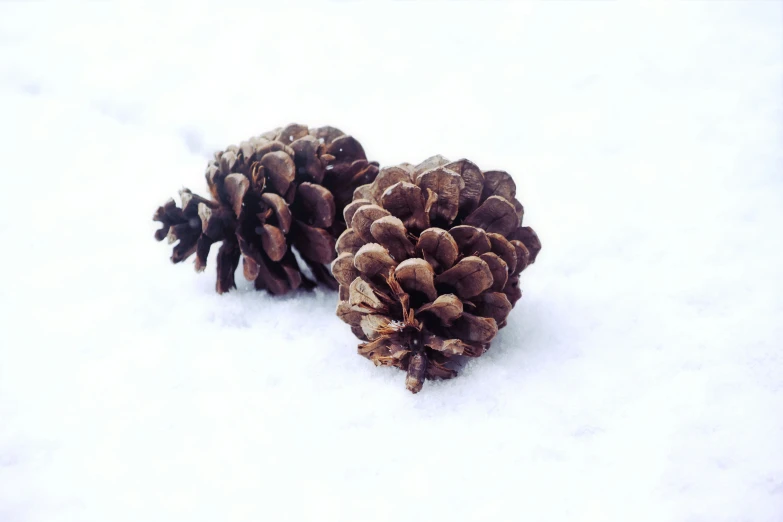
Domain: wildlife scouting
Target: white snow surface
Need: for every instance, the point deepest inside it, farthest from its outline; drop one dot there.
(640, 378)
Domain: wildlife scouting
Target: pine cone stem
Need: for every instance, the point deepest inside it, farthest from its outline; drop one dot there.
(417, 368)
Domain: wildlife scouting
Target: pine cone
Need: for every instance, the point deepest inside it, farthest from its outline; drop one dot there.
(284, 188)
(429, 268)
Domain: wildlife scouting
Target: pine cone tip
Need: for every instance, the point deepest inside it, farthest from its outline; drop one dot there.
(285, 189)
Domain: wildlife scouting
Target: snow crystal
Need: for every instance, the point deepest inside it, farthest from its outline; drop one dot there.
(396, 325)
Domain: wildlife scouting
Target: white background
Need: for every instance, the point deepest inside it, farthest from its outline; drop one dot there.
(640, 377)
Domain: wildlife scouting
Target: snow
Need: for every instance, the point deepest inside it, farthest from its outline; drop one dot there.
(640, 377)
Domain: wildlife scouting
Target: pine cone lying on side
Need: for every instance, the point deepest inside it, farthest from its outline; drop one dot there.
(429, 268)
(284, 188)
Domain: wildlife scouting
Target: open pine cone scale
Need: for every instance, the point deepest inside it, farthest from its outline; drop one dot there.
(268, 194)
(429, 268)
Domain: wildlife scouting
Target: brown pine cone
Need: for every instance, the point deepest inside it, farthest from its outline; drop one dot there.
(284, 188)
(429, 268)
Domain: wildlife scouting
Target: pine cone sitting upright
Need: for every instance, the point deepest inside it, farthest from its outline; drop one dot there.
(429, 268)
(283, 188)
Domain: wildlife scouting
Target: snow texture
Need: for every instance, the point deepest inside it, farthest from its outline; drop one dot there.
(640, 377)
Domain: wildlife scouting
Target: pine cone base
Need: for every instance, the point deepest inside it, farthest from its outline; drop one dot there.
(429, 267)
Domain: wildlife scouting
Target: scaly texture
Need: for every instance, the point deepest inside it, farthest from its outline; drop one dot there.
(429, 268)
(284, 188)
